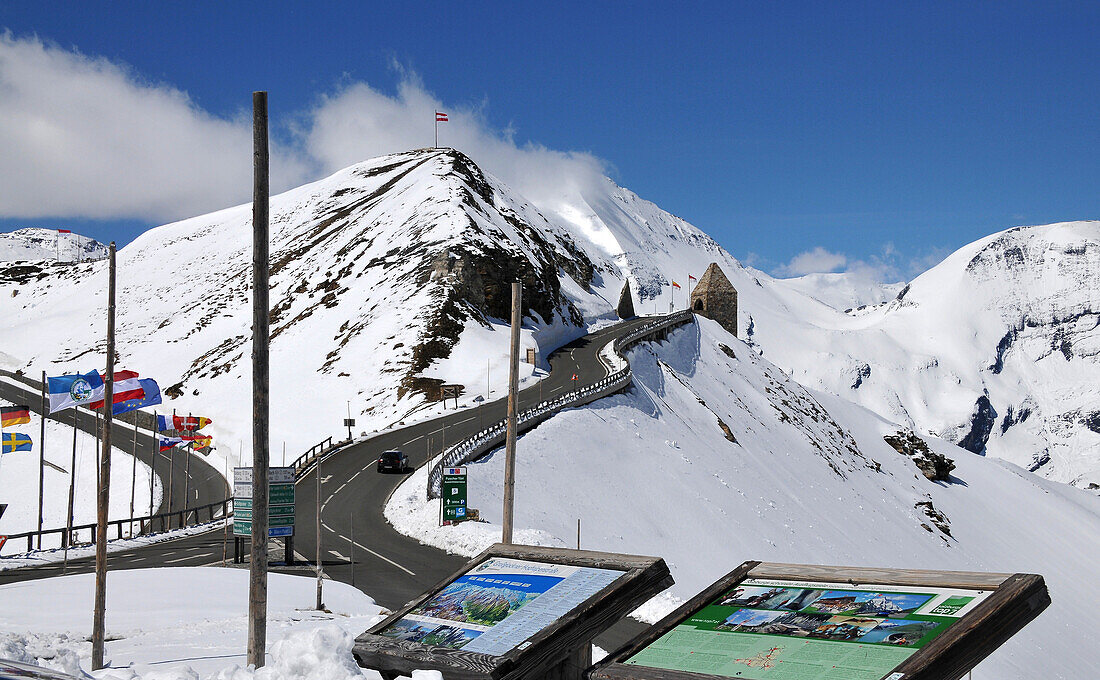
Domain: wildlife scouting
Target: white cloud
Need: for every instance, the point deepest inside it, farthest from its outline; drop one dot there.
(813, 261)
(360, 122)
(85, 137)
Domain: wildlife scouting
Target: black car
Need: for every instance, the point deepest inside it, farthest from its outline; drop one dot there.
(393, 460)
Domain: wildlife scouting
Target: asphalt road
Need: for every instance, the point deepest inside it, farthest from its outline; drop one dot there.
(206, 484)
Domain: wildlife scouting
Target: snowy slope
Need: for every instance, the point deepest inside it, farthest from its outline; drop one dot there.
(800, 476)
(995, 348)
(377, 271)
(34, 243)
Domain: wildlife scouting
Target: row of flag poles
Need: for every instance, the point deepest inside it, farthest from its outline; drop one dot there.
(131, 393)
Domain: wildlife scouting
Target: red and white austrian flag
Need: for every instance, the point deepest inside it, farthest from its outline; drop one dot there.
(440, 117)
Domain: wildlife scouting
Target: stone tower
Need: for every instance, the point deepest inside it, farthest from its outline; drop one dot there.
(625, 310)
(715, 298)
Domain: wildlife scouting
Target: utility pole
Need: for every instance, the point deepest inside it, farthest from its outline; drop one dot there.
(510, 441)
(257, 566)
(42, 459)
(98, 622)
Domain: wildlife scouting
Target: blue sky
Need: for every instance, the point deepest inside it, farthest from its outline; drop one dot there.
(802, 136)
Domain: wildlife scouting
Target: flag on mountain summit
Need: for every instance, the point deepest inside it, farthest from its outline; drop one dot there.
(64, 231)
(124, 390)
(14, 415)
(675, 285)
(67, 391)
(168, 442)
(440, 117)
(150, 396)
(14, 441)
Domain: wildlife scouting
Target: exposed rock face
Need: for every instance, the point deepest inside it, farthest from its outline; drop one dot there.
(933, 466)
(715, 298)
(625, 308)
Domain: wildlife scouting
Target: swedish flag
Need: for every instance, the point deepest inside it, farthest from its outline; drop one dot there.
(14, 441)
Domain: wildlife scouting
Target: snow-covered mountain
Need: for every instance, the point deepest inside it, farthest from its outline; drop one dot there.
(390, 278)
(996, 349)
(34, 243)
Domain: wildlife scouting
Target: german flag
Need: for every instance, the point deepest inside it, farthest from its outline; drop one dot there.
(14, 415)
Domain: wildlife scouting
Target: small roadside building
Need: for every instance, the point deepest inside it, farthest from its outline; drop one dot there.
(715, 298)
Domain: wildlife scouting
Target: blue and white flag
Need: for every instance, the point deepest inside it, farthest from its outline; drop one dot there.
(67, 391)
(162, 424)
(151, 397)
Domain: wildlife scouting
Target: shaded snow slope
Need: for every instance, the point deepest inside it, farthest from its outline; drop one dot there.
(34, 243)
(996, 348)
(715, 457)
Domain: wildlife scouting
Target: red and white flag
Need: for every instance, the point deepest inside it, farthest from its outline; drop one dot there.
(124, 390)
(64, 231)
(692, 278)
(440, 117)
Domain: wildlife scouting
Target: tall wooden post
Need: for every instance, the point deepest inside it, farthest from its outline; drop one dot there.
(257, 567)
(42, 458)
(104, 476)
(510, 441)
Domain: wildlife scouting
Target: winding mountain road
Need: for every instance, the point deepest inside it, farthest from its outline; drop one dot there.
(391, 567)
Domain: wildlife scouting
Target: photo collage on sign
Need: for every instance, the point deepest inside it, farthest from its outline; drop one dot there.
(870, 617)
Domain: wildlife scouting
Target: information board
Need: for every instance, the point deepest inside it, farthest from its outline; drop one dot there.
(499, 604)
(805, 630)
(280, 497)
(770, 621)
(453, 494)
(513, 613)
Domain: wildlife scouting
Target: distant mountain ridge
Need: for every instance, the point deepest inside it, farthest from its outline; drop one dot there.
(36, 243)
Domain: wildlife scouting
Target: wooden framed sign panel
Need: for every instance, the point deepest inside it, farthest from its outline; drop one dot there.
(771, 621)
(513, 612)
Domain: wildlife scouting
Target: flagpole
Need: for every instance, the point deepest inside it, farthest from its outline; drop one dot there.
(99, 615)
(133, 476)
(187, 470)
(171, 472)
(67, 539)
(153, 467)
(436, 130)
(42, 460)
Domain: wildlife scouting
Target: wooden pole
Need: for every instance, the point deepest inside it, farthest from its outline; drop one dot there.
(257, 566)
(42, 459)
(68, 538)
(105, 476)
(510, 441)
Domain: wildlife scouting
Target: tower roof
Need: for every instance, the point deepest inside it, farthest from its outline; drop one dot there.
(713, 281)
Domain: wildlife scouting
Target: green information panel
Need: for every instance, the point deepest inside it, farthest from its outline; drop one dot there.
(453, 492)
(767, 629)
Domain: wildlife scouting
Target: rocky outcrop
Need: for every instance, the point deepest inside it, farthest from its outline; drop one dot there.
(934, 466)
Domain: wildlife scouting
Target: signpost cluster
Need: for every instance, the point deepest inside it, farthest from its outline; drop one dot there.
(452, 502)
(280, 507)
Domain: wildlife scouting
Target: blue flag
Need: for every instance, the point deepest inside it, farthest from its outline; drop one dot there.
(152, 396)
(67, 391)
(162, 424)
(14, 441)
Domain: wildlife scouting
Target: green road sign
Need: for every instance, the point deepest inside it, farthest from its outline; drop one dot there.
(454, 494)
(280, 494)
(242, 504)
(273, 512)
